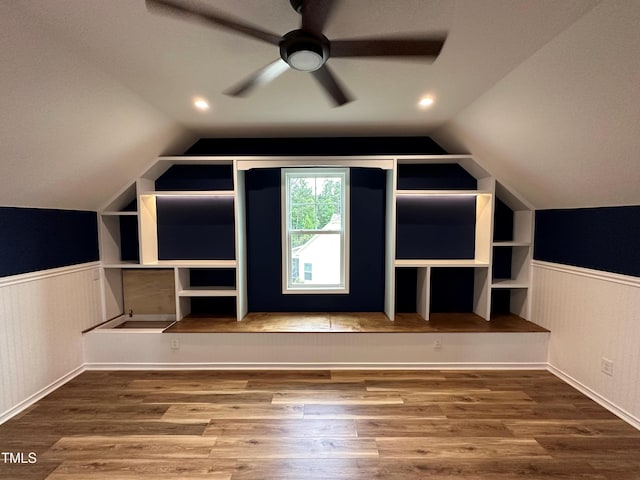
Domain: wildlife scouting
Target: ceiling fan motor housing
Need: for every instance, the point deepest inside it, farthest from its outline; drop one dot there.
(304, 51)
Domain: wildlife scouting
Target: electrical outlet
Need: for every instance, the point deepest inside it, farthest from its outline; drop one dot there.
(606, 366)
(437, 345)
(175, 344)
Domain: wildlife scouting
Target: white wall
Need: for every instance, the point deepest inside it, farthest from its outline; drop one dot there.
(591, 315)
(117, 349)
(42, 316)
(562, 127)
(70, 135)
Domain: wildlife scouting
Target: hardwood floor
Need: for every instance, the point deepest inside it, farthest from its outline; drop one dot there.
(370, 322)
(256, 425)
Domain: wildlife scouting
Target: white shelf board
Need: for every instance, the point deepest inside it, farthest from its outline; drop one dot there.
(195, 263)
(119, 214)
(508, 283)
(192, 193)
(440, 193)
(128, 265)
(445, 158)
(511, 244)
(208, 292)
(440, 263)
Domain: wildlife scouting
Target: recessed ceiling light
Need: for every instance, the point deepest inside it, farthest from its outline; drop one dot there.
(200, 104)
(425, 102)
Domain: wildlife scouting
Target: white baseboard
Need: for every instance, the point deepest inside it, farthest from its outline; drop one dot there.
(318, 366)
(596, 397)
(26, 403)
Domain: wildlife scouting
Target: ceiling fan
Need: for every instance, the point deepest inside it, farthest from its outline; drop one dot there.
(305, 49)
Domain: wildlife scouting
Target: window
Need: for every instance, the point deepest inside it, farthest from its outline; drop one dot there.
(315, 230)
(308, 271)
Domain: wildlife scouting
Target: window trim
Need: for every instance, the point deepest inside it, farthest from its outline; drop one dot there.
(285, 239)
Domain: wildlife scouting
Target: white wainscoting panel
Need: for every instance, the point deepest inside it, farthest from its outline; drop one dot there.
(42, 316)
(592, 315)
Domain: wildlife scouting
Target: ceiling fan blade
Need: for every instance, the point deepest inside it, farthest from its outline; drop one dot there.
(330, 83)
(388, 47)
(315, 14)
(215, 17)
(261, 77)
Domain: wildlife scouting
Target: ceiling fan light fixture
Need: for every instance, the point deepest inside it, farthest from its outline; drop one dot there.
(303, 51)
(305, 60)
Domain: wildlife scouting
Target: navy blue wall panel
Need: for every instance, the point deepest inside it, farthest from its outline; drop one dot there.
(435, 176)
(264, 251)
(501, 265)
(503, 222)
(193, 228)
(606, 238)
(33, 239)
(435, 227)
(414, 145)
(406, 290)
(196, 178)
(452, 290)
(129, 243)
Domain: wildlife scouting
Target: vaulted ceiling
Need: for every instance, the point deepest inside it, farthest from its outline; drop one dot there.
(544, 93)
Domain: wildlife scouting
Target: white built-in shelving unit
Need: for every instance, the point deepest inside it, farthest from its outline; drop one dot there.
(143, 195)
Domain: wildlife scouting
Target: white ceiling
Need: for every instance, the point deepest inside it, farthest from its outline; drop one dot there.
(97, 88)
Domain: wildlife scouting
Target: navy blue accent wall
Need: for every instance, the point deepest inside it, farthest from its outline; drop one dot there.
(192, 228)
(33, 239)
(501, 266)
(212, 277)
(264, 250)
(435, 176)
(213, 306)
(452, 290)
(406, 290)
(503, 222)
(435, 227)
(196, 177)
(317, 146)
(606, 238)
(500, 301)
(129, 244)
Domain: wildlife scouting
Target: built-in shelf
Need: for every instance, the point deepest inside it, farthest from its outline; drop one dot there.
(222, 291)
(194, 263)
(190, 193)
(421, 191)
(441, 263)
(119, 214)
(508, 283)
(511, 244)
(441, 193)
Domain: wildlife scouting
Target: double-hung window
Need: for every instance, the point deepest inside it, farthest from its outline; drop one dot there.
(315, 224)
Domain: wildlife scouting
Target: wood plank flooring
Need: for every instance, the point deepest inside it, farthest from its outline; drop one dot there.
(369, 322)
(285, 425)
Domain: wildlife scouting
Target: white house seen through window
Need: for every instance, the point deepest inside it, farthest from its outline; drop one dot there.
(315, 230)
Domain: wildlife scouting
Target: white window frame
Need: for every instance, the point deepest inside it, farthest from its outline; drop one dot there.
(288, 288)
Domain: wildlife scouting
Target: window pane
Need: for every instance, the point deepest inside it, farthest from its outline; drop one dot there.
(303, 216)
(320, 256)
(328, 199)
(295, 270)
